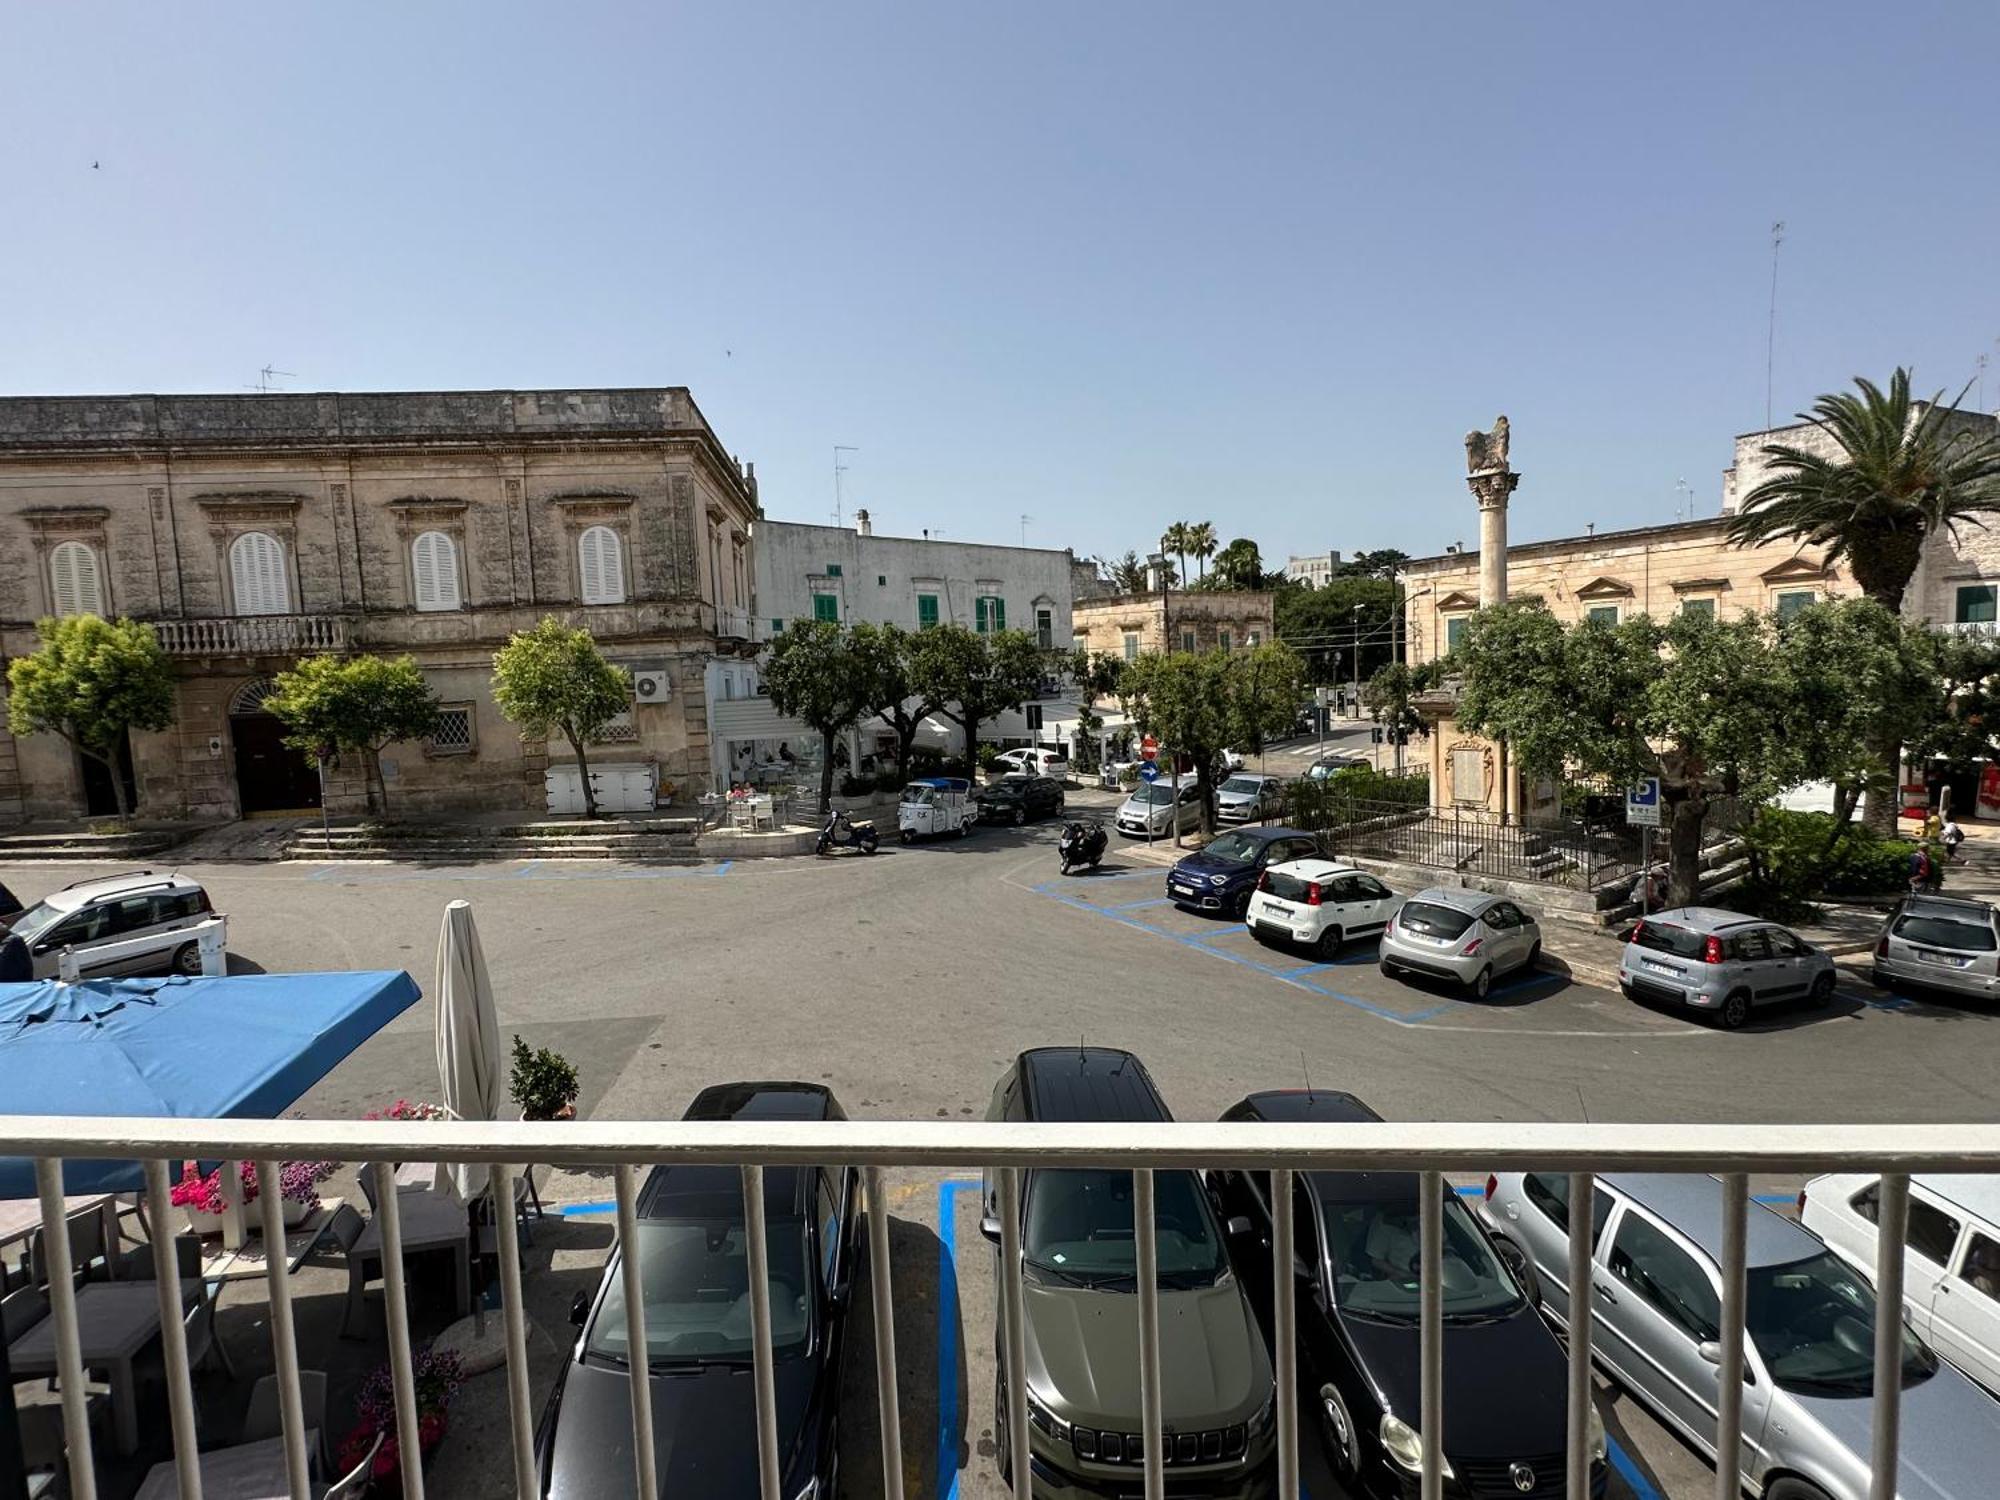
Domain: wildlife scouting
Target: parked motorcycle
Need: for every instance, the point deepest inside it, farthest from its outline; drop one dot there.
(843, 832)
(1080, 844)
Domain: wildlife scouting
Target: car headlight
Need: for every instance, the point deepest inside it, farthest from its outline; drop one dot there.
(1218, 880)
(1404, 1447)
(1265, 1419)
(1593, 1432)
(809, 1490)
(1046, 1421)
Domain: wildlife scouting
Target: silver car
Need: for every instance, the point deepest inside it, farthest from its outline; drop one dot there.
(1722, 962)
(1248, 795)
(1449, 932)
(1152, 807)
(1940, 943)
(1808, 1362)
(118, 924)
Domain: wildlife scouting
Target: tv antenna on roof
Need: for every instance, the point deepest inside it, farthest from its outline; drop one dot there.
(1025, 519)
(1771, 337)
(1683, 501)
(267, 377)
(1306, 1071)
(839, 468)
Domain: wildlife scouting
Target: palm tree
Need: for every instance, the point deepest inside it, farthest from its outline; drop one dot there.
(1202, 543)
(1900, 472)
(1176, 541)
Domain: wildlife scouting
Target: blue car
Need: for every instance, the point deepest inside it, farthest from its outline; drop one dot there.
(1221, 877)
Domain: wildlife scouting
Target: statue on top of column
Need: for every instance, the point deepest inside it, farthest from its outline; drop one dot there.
(1485, 451)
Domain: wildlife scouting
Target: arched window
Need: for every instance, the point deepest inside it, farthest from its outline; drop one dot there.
(434, 571)
(600, 566)
(75, 582)
(257, 575)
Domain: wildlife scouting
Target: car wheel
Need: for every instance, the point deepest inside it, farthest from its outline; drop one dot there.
(1239, 906)
(1735, 1009)
(905, 836)
(1482, 983)
(187, 959)
(965, 829)
(1059, 804)
(1534, 955)
(1339, 1429)
(1020, 816)
(1794, 1489)
(1329, 943)
(1877, 978)
(1822, 992)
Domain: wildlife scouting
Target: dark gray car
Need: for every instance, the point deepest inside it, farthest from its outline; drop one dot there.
(1809, 1357)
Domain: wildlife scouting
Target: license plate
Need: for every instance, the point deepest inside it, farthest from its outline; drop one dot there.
(1181, 890)
(1659, 968)
(1924, 955)
(1271, 904)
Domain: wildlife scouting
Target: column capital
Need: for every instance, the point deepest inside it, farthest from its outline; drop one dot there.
(1492, 487)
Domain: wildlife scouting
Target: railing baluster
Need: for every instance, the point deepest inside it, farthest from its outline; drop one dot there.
(396, 1313)
(1284, 1283)
(284, 1341)
(1891, 1224)
(173, 1332)
(637, 1351)
(761, 1358)
(879, 1294)
(1431, 1403)
(1582, 1209)
(1729, 1371)
(1014, 1330)
(507, 1233)
(1149, 1333)
(62, 1308)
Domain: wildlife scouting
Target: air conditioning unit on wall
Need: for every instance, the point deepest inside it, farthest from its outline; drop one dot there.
(652, 687)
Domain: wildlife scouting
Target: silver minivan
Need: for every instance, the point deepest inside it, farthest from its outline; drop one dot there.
(1809, 1357)
(118, 924)
(1940, 943)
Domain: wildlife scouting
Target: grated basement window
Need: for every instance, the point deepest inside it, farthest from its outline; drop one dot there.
(453, 735)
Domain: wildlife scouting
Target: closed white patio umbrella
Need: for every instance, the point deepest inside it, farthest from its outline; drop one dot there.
(468, 1040)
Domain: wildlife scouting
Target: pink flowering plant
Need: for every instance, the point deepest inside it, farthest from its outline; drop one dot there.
(437, 1378)
(410, 1109)
(298, 1182)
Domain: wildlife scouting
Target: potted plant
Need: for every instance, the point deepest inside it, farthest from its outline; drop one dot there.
(200, 1197)
(542, 1082)
(437, 1377)
(663, 794)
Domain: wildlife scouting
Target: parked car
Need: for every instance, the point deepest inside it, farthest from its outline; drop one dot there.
(1039, 760)
(1154, 805)
(1951, 1274)
(10, 907)
(694, 1277)
(1080, 1307)
(1222, 876)
(1356, 1248)
(1248, 796)
(1319, 904)
(1328, 765)
(1721, 962)
(1940, 942)
(1449, 932)
(1015, 799)
(90, 915)
(1809, 1356)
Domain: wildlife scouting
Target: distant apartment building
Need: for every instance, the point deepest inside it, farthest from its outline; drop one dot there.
(1198, 620)
(252, 530)
(1315, 568)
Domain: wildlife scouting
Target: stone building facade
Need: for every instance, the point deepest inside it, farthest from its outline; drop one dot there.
(1201, 620)
(253, 529)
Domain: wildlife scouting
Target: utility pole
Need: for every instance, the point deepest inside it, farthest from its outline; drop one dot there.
(1771, 337)
(839, 468)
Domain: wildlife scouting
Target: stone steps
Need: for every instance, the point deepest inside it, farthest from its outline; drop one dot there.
(651, 843)
(82, 848)
(472, 854)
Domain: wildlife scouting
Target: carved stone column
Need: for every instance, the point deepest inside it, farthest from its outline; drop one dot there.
(1492, 488)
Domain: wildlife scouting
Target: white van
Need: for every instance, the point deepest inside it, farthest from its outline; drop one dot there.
(1951, 1275)
(1041, 760)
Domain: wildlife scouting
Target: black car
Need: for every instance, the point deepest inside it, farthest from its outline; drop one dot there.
(10, 907)
(695, 1272)
(1015, 799)
(1356, 1257)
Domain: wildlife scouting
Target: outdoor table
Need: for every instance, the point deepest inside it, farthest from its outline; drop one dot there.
(21, 1217)
(221, 1263)
(248, 1471)
(431, 1221)
(115, 1320)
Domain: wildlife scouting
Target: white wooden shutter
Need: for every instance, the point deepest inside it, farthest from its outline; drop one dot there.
(257, 575)
(74, 580)
(600, 567)
(434, 571)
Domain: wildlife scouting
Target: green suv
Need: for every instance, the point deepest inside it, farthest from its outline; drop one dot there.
(1081, 1309)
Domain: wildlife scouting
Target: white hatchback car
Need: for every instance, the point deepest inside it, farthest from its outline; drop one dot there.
(1319, 904)
(1041, 760)
(1951, 1274)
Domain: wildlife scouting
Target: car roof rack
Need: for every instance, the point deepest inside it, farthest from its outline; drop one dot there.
(101, 879)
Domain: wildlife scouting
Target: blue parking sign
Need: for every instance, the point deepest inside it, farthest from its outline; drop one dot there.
(1642, 803)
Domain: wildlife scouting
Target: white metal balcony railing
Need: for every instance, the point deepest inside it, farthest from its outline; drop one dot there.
(252, 635)
(1896, 1151)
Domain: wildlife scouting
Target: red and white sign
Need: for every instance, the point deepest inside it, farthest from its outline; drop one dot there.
(1149, 748)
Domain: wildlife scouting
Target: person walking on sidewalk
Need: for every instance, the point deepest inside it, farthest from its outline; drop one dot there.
(1952, 836)
(1924, 875)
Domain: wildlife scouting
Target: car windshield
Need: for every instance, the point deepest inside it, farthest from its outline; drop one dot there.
(35, 921)
(1009, 788)
(1159, 794)
(1813, 1321)
(694, 1275)
(1233, 848)
(1664, 937)
(1080, 1229)
(1943, 932)
(1377, 1250)
(1432, 920)
(1247, 785)
(920, 795)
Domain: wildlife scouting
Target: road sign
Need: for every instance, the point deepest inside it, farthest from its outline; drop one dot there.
(1149, 771)
(1642, 803)
(1149, 748)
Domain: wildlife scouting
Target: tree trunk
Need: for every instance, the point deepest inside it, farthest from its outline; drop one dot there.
(826, 739)
(1684, 848)
(906, 739)
(379, 792)
(1202, 778)
(110, 763)
(971, 723)
(583, 771)
(1880, 817)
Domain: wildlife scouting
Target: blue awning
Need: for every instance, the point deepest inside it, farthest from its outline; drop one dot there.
(239, 1046)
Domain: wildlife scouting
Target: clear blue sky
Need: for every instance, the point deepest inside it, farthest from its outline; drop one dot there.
(1108, 265)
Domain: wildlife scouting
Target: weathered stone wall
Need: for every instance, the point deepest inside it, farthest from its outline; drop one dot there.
(1102, 624)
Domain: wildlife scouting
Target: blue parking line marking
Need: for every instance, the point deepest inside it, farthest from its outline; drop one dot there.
(947, 1355)
(1634, 1477)
(584, 1210)
(1138, 905)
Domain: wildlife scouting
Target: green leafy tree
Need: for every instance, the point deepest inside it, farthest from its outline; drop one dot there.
(1128, 574)
(974, 677)
(1383, 562)
(822, 674)
(1200, 703)
(1238, 566)
(553, 679)
(1096, 676)
(1267, 685)
(1318, 623)
(354, 705)
(1391, 694)
(1201, 542)
(893, 692)
(1964, 726)
(92, 681)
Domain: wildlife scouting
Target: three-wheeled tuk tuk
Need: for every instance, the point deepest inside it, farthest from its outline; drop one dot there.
(933, 805)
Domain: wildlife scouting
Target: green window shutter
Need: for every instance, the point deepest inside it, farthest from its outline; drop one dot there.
(979, 614)
(833, 570)
(826, 607)
(777, 627)
(999, 614)
(1976, 604)
(927, 611)
(1454, 631)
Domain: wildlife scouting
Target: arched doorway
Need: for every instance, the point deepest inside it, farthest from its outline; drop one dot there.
(270, 775)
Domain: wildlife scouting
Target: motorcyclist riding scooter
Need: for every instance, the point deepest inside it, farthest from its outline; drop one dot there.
(1080, 844)
(843, 832)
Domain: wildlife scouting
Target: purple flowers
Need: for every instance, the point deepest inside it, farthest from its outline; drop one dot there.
(298, 1182)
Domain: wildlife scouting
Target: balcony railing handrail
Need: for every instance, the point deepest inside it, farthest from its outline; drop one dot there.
(1389, 1146)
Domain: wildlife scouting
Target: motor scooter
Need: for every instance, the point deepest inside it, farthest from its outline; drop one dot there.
(843, 832)
(1080, 844)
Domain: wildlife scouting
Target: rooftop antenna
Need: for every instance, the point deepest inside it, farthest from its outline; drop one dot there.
(1771, 338)
(266, 379)
(1684, 501)
(839, 468)
(1306, 1071)
(1981, 362)
(1025, 519)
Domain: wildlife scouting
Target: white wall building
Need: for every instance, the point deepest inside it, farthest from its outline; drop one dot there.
(1314, 568)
